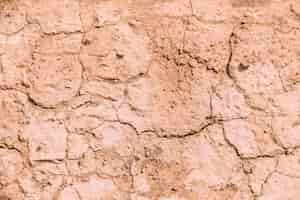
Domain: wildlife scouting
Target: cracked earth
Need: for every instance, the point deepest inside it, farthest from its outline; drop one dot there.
(149, 100)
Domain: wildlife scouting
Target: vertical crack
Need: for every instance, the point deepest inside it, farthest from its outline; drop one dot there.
(191, 7)
(267, 179)
(228, 64)
(230, 143)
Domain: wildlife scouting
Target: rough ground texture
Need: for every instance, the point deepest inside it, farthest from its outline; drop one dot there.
(149, 100)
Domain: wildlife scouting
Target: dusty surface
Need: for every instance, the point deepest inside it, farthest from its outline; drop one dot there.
(149, 100)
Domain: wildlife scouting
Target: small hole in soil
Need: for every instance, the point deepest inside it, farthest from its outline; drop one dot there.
(86, 42)
(119, 56)
(242, 67)
(39, 148)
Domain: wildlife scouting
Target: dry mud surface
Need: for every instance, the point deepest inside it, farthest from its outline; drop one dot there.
(149, 100)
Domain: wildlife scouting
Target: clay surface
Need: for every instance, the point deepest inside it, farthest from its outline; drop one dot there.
(149, 100)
